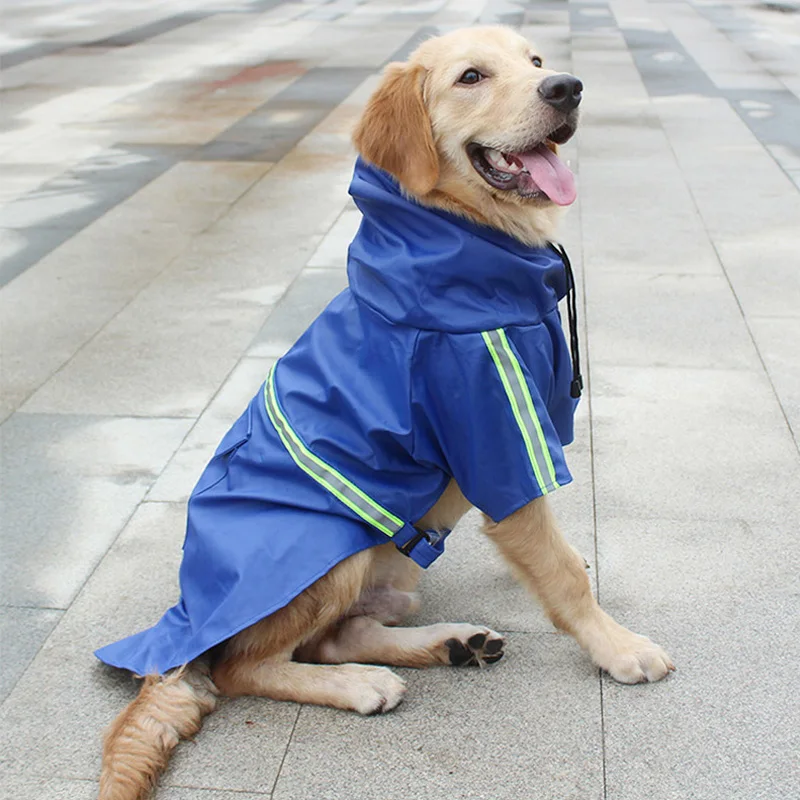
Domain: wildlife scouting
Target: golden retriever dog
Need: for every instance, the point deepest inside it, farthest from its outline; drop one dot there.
(452, 126)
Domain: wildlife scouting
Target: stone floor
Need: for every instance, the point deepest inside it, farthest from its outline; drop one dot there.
(173, 177)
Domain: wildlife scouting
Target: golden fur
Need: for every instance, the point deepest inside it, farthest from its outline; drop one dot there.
(321, 647)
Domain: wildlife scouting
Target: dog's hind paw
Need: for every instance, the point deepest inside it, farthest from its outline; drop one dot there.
(379, 690)
(474, 647)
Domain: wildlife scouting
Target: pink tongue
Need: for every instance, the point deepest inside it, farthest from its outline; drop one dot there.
(551, 174)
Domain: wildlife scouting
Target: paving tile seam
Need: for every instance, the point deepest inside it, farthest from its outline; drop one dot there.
(603, 746)
(286, 751)
(601, 361)
(215, 789)
(594, 577)
(22, 412)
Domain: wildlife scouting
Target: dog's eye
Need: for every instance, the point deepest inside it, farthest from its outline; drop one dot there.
(537, 62)
(471, 76)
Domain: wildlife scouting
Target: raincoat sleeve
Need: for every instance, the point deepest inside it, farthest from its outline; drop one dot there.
(483, 418)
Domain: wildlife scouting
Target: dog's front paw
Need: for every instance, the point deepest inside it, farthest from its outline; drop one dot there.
(474, 647)
(638, 660)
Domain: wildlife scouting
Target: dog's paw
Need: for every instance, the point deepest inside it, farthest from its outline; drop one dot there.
(379, 690)
(474, 647)
(638, 661)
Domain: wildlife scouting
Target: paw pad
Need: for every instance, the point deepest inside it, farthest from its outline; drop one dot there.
(480, 648)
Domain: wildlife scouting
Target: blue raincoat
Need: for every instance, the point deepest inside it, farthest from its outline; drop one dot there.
(444, 358)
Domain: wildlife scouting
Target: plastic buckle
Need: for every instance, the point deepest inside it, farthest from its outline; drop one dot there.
(413, 542)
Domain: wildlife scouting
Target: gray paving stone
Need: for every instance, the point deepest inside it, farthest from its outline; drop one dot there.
(143, 32)
(373, 45)
(181, 474)
(49, 312)
(690, 444)
(22, 632)
(69, 485)
(20, 248)
(332, 251)
(623, 232)
(667, 320)
(168, 352)
(51, 723)
(306, 298)
(747, 259)
(718, 595)
(751, 237)
(526, 727)
(22, 787)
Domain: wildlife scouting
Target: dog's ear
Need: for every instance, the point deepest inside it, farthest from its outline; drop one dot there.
(394, 132)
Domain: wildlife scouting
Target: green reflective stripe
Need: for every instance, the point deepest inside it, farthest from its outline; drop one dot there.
(324, 474)
(534, 417)
(519, 397)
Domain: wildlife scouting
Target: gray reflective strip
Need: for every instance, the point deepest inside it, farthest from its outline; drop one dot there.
(349, 494)
(522, 407)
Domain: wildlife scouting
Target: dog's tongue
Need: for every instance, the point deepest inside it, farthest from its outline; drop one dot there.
(551, 174)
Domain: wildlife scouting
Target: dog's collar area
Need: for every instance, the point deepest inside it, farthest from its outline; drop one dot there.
(576, 385)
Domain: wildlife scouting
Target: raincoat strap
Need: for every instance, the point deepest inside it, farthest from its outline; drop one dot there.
(424, 547)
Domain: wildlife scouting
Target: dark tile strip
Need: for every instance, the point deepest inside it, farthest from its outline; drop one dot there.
(598, 16)
(512, 17)
(781, 127)
(411, 44)
(260, 6)
(149, 30)
(102, 182)
(16, 57)
(269, 132)
(133, 36)
(665, 66)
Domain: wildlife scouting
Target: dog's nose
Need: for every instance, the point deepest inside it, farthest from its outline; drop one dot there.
(562, 92)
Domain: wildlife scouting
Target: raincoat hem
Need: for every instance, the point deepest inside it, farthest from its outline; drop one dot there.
(287, 598)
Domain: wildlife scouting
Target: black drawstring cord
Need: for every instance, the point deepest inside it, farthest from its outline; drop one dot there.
(576, 386)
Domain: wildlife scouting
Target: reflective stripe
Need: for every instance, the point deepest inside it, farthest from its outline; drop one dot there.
(324, 474)
(523, 408)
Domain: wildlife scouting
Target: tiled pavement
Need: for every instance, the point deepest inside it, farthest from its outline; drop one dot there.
(174, 180)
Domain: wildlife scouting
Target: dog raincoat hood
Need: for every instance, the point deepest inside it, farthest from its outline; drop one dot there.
(437, 271)
(443, 360)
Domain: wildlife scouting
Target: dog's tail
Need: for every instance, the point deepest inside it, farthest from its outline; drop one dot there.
(139, 742)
